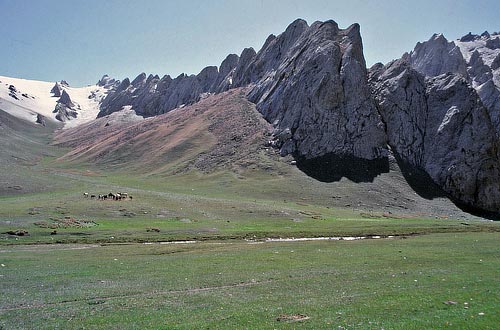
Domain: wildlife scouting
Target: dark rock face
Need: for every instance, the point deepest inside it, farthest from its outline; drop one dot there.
(496, 63)
(242, 75)
(65, 108)
(13, 92)
(469, 37)
(66, 100)
(108, 82)
(56, 90)
(480, 72)
(154, 96)
(401, 95)
(40, 119)
(462, 153)
(63, 113)
(493, 43)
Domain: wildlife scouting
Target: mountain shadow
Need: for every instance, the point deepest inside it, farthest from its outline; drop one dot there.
(476, 211)
(419, 180)
(426, 188)
(332, 168)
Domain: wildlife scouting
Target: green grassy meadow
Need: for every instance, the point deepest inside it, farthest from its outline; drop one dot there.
(222, 207)
(435, 281)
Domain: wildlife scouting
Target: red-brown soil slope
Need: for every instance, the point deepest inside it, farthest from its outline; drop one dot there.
(220, 131)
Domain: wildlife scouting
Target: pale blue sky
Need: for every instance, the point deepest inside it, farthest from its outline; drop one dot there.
(80, 40)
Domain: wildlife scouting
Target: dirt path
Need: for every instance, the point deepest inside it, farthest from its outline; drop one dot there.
(100, 300)
(49, 247)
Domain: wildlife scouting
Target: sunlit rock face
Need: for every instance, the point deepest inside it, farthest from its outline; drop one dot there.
(439, 124)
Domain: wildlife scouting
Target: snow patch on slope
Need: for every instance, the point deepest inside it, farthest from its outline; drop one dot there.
(33, 97)
(88, 99)
(26, 99)
(126, 115)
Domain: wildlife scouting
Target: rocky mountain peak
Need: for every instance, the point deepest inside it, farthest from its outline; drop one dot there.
(293, 32)
(56, 90)
(139, 80)
(64, 108)
(123, 85)
(229, 63)
(269, 39)
(66, 99)
(469, 37)
(108, 82)
(437, 56)
(315, 94)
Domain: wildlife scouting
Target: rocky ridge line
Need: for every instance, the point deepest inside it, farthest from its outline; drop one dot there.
(435, 107)
(310, 82)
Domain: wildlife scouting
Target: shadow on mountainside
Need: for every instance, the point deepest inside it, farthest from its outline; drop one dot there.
(419, 180)
(426, 188)
(332, 168)
(476, 211)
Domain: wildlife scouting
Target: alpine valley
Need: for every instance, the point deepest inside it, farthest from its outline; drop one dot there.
(423, 128)
(289, 187)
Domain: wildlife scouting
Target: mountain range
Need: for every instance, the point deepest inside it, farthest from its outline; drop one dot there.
(307, 94)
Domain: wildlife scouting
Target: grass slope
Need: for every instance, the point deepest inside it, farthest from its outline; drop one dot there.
(22, 146)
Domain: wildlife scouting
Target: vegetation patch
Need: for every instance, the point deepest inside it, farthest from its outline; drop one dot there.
(66, 222)
(292, 318)
(19, 232)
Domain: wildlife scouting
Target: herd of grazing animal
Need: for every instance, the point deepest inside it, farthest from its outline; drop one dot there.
(111, 196)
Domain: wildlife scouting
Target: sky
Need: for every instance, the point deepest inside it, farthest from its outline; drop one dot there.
(81, 40)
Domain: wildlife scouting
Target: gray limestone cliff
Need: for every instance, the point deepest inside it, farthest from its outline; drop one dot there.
(475, 57)
(314, 87)
(439, 124)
